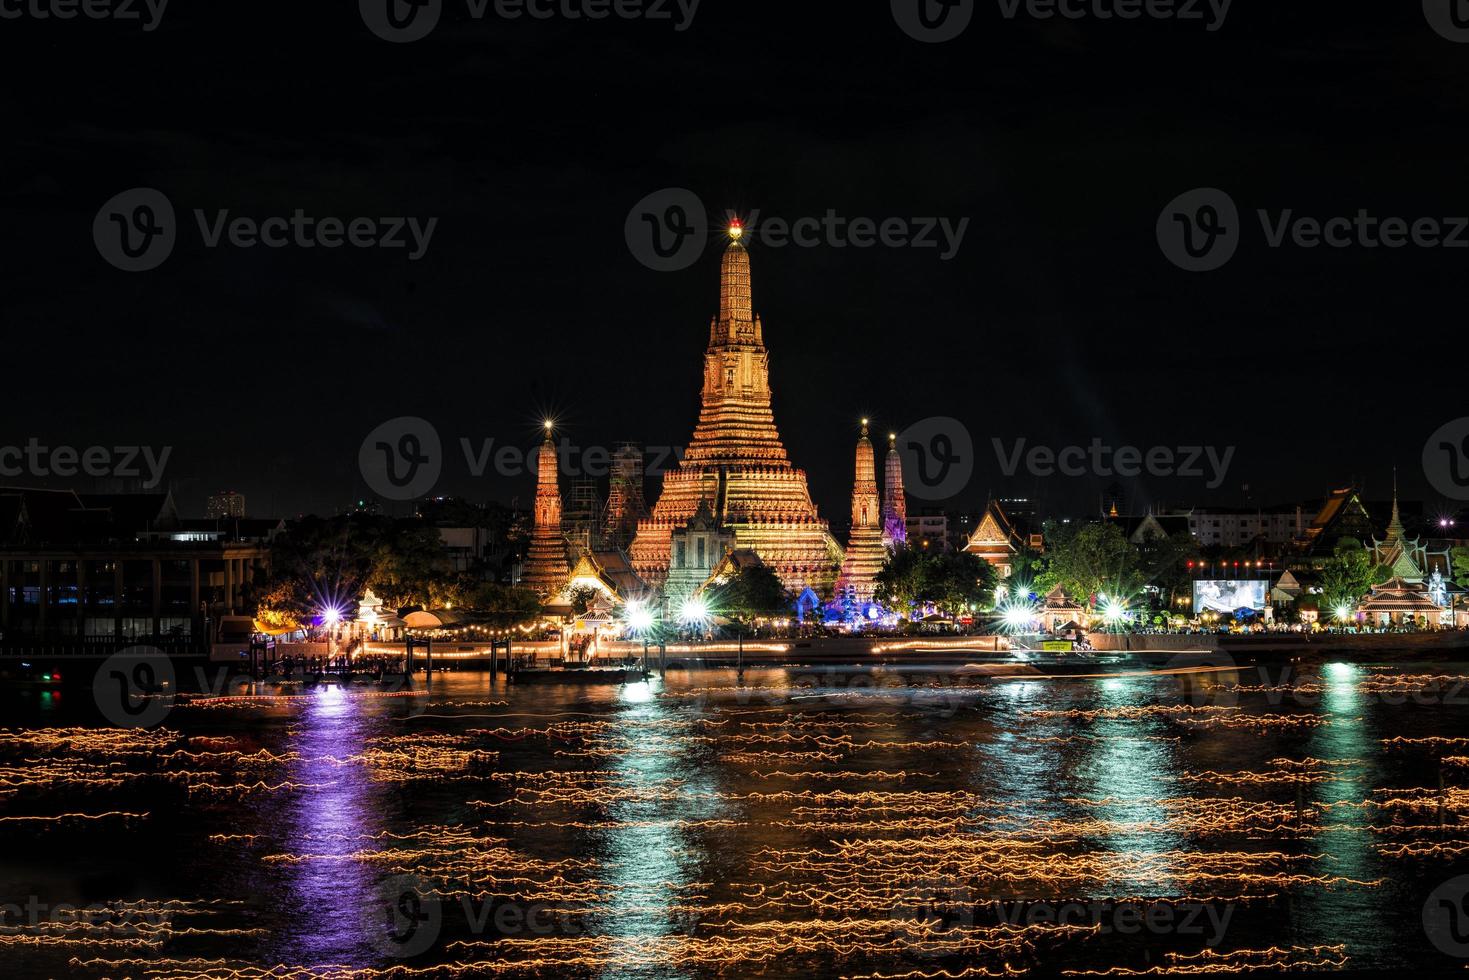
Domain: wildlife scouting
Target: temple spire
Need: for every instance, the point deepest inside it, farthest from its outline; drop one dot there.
(1395, 526)
(736, 322)
(894, 502)
(546, 569)
(865, 553)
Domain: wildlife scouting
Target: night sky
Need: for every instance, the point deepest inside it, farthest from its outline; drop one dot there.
(1059, 320)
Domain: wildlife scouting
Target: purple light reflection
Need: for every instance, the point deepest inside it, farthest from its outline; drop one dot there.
(339, 806)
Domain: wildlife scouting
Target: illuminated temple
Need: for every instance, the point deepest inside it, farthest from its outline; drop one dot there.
(865, 552)
(546, 569)
(736, 464)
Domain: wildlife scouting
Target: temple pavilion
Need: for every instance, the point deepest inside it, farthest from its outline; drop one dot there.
(736, 465)
(1398, 602)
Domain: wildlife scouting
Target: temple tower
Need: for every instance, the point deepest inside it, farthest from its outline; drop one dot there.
(625, 505)
(865, 552)
(894, 502)
(736, 460)
(545, 561)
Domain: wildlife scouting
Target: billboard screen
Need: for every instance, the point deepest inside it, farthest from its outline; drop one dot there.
(1227, 596)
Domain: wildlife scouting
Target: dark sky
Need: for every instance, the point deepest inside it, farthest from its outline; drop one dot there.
(1059, 320)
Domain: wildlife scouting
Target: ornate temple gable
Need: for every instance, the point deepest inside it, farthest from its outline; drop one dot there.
(736, 461)
(1342, 516)
(994, 539)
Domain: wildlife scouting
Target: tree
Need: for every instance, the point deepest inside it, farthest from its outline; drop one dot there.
(1459, 561)
(1163, 562)
(1095, 559)
(1349, 574)
(582, 598)
(752, 592)
(320, 563)
(953, 581)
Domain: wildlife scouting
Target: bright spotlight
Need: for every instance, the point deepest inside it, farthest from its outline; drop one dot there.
(694, 611)
(1113, 612)
(1343, 613)
(639, 617)
(1017, 616)
(331, 616)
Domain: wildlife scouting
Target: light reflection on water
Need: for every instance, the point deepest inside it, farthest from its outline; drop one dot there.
(336, 805)
(994, 751)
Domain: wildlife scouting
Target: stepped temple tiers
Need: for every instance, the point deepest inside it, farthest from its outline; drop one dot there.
(865, 551)
(736, 465)
(894, 504)
(546, 569)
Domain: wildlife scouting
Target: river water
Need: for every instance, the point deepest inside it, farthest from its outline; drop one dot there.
(803, 822)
